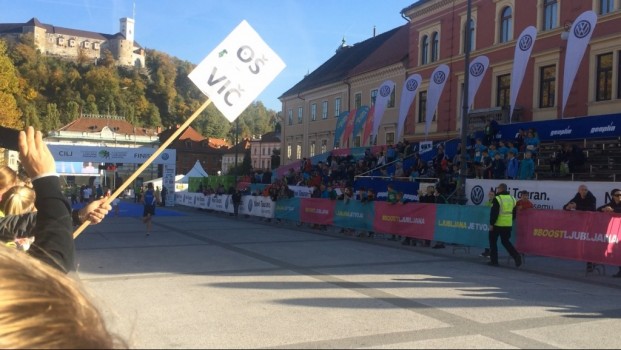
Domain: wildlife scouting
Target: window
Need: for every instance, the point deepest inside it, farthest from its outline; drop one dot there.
(87, 44)
(604, 77)
(71, 42)
(290, 117)
(503, 90)
(605, 6)
(61, 41)
(324, 146)
(435, 46)
(312, 149)
(313, 112)
(289, 151)
(337, 106)
(390, 138)
(357, 100)
(550, 8)
(263, 151)
(188, 145)
(373, 96)
(357, 141)
(95, 46)
(469, 35)
(298, 151)
(547, 84)
(300, 115)
(324, 110)
(422, 106)
(391, 102)
(424, 50)
(505, 25)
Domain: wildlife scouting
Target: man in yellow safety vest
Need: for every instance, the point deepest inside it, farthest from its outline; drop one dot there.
(501, 224)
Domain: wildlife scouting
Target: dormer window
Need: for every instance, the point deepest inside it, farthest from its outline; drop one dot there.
(61, 41)
(188, 145)
(87, 44)
(71, 42)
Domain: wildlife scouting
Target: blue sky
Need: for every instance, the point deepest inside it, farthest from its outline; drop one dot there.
(304, 33)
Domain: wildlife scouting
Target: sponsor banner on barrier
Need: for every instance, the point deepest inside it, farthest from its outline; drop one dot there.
(467, 225)
(301, 191)
(543, 194)
(287, 209)
(354, 214)
(256, 206)
(317, 211)
(587, 236)
(410, 219)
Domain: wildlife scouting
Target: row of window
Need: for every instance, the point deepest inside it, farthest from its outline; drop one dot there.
(390, 139)
(337, 107)
(264, 151)
(85, 44)
(429, 43)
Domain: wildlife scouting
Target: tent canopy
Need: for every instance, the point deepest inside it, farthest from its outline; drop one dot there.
(196, 171)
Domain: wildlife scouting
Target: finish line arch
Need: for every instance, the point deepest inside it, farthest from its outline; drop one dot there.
(95, 155)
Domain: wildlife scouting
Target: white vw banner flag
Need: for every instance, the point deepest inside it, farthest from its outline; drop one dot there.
(524, 46)
(579, 37)
(477, 70)
(436, 85)
(408, 94)
(381, 102)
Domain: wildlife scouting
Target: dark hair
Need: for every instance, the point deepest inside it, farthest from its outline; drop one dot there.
(612, 193)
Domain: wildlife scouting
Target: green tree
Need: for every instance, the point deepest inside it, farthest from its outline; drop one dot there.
(31, 118)
(52, 118)
(9, 86)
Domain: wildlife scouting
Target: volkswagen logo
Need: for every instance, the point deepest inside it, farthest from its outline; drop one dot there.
(477, 69)
(526, 42)
(582, 29)
(385, 90)
(250, 205)
(165, 156)
(477, 195)
(411, 85)
(439, 77)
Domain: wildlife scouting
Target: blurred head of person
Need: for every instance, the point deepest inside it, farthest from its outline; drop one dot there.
(8, 179)
(42, 308)
(18, 200)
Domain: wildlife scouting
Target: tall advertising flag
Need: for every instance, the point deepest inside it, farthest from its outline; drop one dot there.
(579, 37)
(361, 118)
(381, 102)
(410, 87)
(436, 85)
(368, 125)
(349, 127)
(523, 49)
(340, 127)
(477, 70)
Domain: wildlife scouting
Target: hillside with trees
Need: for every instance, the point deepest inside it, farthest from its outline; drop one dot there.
(49, 92)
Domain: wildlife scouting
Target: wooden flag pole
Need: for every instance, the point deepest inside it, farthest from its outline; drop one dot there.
(148, 162)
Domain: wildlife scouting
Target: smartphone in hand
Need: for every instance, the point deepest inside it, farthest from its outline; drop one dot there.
(9, 138)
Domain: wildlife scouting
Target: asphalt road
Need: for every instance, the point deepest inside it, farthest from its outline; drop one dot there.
(207, 280)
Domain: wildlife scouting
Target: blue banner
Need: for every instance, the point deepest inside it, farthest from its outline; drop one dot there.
(379, 187)
(602, 126)
(287, 209)
(341, 122)
(361, 118)
(354, 214)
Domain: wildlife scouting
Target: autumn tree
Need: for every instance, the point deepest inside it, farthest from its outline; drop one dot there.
(9, 86)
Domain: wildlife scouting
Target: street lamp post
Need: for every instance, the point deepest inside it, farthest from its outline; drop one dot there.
(465, 108)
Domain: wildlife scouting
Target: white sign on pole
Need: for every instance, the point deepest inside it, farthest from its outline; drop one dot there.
(237, 70)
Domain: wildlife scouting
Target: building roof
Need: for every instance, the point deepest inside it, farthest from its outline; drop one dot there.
(115, 124)
(188, 134)
(347, 58)
(414, 5)
(219, 143)
(391, 51)
(240, 147)
(34, 22)
(271, 136)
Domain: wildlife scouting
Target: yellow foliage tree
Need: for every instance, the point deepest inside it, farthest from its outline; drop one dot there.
(10, 115)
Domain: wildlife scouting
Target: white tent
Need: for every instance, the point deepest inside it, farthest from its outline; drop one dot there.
(196, 171)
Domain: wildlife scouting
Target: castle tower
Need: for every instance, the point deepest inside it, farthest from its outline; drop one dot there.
(127, 28)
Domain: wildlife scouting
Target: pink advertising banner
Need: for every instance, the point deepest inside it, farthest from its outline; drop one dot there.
(317, 211)
(410, 219)
(576, 235)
